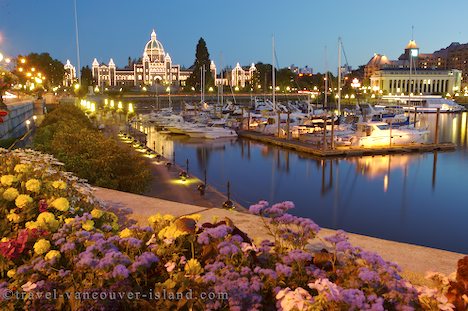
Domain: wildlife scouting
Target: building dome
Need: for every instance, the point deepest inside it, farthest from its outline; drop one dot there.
(154, 49)
(378, 60)
(412, 45)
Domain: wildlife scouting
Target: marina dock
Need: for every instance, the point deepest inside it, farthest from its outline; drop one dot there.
(345, 151)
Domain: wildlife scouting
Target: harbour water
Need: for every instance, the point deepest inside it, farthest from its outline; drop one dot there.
(414, 198)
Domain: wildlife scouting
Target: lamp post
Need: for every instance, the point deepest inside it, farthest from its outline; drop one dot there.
(356, 85)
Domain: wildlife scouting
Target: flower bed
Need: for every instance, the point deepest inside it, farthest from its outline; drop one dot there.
(56, 238)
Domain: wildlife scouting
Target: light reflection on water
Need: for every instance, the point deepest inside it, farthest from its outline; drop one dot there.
(417, 198)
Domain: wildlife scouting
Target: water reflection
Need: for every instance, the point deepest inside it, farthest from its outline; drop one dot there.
(415, 198)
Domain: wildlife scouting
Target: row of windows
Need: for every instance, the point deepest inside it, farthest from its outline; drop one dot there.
(419, 86)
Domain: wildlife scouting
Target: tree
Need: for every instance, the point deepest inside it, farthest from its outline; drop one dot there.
(42, 63)
(6, 80)
(202, 58)
(262, 76)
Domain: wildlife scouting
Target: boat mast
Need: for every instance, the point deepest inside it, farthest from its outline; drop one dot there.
(339, 75)
(326, 80)
(273, 72)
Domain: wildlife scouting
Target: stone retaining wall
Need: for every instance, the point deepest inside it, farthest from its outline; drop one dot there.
(14, 125)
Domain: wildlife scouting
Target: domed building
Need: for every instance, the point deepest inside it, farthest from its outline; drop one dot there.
(155, 67)
(412, 73)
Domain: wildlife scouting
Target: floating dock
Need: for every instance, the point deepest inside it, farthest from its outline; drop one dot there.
(345, 151)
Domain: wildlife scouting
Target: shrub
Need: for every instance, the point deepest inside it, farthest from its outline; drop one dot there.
(70, 136)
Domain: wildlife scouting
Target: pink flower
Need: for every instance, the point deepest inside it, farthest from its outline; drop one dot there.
(299, 299)
(170, 265)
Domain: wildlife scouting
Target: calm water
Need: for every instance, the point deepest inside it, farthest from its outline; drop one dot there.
(419, 199)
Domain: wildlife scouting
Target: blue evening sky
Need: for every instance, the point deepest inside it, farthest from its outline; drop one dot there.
(241, 30)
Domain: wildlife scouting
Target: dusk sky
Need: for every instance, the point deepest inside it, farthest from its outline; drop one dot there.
(240, 30)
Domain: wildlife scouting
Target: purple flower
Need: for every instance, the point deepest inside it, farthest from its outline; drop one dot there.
(296, 255)
(283, 269)
(218, 232)
(145, 260)
(368, 276)
(69, 246)
(339, 236)
(132, 242)
(120, 271)
(227, 248)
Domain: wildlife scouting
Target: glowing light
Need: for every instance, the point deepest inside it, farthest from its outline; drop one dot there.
(144, 89)
(112, 104)
(23, 60)
(77, 86)
(210, 89)
(106, 102)
(33, 69)
(130, 108)
(28, 122)
(187, 182)
(1, 57)
(119, 105)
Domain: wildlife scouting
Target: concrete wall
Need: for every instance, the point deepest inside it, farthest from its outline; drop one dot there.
(14, 125)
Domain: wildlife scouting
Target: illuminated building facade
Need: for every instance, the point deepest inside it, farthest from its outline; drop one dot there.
(154, 67)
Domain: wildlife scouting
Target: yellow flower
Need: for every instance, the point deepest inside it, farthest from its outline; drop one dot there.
(10, 194)
(53, 254)
(11, 273)
(33, 185)
(97, 213)
(31, 225)
(154, 218)
(59, 185)
(4, 239)
(8, 180)
(23, 200)
(61, 204)
(46, 220)
(170, 232)
(88, 225)
(193, 267)
(125, 233)
(113, 217)
(21, 168)
(69, 220)
(41, 246)
(14, 217)
(158, 218)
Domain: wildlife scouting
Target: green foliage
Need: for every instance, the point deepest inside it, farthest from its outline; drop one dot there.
(44, 63)
(69, 135)
(6, 143)
(202, 58)
(6, 80)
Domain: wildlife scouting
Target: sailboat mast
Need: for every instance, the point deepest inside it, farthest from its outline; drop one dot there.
(222, 79)
(273, 67)
(325, 102)
(339, 75)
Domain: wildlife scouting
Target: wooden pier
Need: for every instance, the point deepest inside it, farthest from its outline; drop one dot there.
(345, 151)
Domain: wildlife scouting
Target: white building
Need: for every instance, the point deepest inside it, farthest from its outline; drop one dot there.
(155, 67)
(70, 74)
(423, 81)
